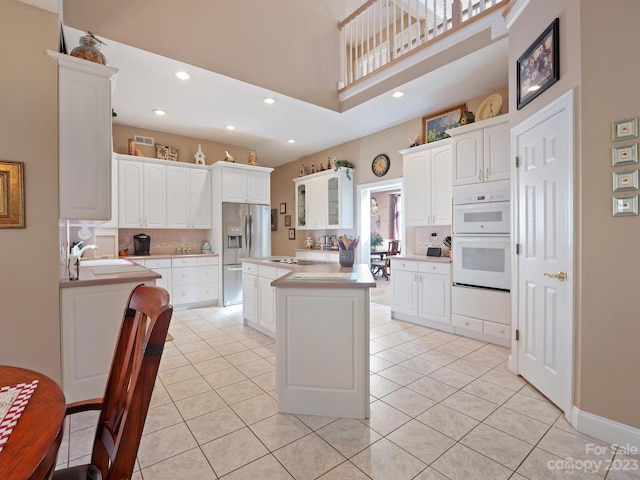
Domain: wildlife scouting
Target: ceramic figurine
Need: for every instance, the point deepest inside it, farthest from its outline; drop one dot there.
(199, 156)
(252, 159)
(228, 157)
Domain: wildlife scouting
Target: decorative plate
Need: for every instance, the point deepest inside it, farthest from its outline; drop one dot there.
(490, 107)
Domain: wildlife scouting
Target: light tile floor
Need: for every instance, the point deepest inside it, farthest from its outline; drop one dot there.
(442, 407)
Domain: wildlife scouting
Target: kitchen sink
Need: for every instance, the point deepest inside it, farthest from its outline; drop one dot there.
(105, 262)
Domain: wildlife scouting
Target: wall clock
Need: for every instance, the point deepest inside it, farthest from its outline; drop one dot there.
(380, 165)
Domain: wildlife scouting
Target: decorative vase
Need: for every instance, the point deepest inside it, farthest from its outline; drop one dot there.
(89, 49)
(346, 258)
(252, 159)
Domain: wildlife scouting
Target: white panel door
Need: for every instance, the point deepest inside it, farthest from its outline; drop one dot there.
(545, 317)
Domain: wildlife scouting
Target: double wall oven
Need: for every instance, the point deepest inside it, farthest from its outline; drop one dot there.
(481, 245)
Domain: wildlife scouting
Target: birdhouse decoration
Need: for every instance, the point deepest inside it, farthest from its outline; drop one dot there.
(199, 156)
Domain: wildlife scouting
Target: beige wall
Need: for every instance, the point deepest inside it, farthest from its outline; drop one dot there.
(29, 319)
(607, 257)
(287, 46)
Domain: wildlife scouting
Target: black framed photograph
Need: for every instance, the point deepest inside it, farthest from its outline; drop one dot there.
(539, 66)
(283, 207)
(435, 125)
(287, 220)
(292, 234)
(274, 220)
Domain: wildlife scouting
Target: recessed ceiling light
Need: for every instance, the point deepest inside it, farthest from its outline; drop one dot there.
(230, 127)
(398, 94)
(183, 75)
(269, 100)
(159, 112)
(291, 140)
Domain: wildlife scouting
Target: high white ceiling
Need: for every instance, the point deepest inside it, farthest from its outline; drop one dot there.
(202, 106)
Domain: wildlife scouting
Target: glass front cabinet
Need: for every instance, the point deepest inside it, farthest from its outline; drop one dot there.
(324, 200)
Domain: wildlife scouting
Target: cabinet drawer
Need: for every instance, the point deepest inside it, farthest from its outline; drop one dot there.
(267, 272)
(185, 276)
(407, 265)
(194, 293)
(158, 263)
(481, 303)
(467, 323)
(184, 262)
(251, 268)
(497, 330)
(206, 261)
(434, 267)
(207, 274)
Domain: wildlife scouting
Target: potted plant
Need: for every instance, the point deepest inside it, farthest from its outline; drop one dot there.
(376, 240)
(343, 163)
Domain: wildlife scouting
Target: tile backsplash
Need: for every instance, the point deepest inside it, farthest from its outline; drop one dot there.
(420, 238)
(165, 241)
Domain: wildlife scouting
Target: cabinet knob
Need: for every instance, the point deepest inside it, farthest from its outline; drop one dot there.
(466, 323)
(480, 174)
(486, 175)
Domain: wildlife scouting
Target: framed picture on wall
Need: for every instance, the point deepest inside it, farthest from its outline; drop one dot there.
(292, 234)
(434, 125)
(539, 66)
(283, 207)
(287, 220)
(12, 211)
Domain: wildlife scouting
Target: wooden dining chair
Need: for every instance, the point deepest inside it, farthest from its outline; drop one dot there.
(124, 407)
(384, 266)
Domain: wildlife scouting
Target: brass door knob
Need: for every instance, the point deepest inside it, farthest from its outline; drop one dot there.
(560, 275)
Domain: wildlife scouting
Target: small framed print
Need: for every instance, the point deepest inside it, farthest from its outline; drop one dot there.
(624, 154)
(292, 234)
(283, 207)
(623, 129)
(627, 205)
(625, 180)
(287, 220)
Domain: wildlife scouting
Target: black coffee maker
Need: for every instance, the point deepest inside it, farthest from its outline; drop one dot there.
(141, 244)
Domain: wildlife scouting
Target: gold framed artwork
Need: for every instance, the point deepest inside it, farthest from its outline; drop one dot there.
(623, 129)
(292, 234)
(435, 125)
(12, 194)
(624, 154)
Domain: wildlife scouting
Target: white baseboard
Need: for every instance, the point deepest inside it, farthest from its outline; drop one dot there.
(625, 436)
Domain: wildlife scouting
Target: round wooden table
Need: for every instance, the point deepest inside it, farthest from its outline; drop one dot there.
(32, 447)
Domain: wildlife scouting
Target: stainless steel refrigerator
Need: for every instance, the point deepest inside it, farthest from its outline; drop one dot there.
(246, 233)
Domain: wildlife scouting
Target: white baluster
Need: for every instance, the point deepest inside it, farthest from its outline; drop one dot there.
(481, 4)
(456, 13)
(444, 16)
(434, 32)
(469, 9)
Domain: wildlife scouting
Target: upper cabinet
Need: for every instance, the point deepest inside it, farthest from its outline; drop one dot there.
(239, 183)
(188, 197)
(481, 151)
(324, 200)
(427, 184)
(84, 138)
(142, 194)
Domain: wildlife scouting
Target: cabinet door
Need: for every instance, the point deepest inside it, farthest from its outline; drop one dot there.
(403, 292)
(316, 203)
(417, 201)
(434, 297)
(301, 205)
(234, 185)
(333, 206)
(113, 223)
(258, 188)
(178, 197)
(467, 158)
(267, 305)
(130, 194)
(200, 198)
(165, 281)
(441, 188)
(155, 195)
(250, 297)
(496, 153)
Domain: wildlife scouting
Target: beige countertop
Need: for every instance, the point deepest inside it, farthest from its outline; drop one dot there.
(326, 275)
(154, 256)
(422, 258)
(87, 277)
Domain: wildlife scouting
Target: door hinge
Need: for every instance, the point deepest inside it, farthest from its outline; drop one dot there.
(517, 249)
(517, 335)
(517, 161)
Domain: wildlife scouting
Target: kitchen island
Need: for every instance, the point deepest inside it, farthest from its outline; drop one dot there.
(322, 340)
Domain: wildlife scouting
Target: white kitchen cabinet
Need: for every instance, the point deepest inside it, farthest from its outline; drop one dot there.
(482, 313)
(331, 256)
(421, 292)
(239, 183)
(194, 281)
(481, 151)
(91, 317)
(259, 297)
(427, 184)
(161, 266)
(188, 197)
(84, 138)
(142, 197)
(324, 200)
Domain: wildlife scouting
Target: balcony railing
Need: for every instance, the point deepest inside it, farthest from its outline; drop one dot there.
(382, 32)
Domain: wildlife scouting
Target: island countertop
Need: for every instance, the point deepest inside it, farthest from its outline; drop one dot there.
(88, 277)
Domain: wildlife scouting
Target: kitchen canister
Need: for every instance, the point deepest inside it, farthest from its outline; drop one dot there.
(346, 258)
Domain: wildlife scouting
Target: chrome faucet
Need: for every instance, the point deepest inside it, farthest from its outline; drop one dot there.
(77, 251)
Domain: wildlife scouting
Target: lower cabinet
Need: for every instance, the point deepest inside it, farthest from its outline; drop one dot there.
(259, 297)
(481, 313)
(319, 255)
(90, 317)
(163, 267)
(421, 292)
